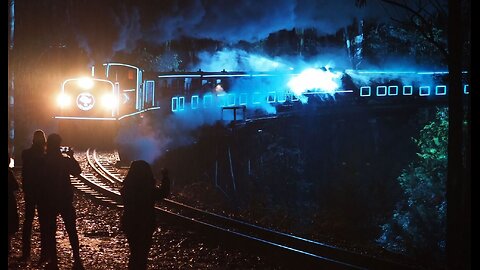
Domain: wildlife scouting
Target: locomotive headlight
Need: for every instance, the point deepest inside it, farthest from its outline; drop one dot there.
(85, 83)
(63, 100)
(109, 101)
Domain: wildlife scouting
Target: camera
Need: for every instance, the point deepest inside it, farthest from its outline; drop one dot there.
(65, 149)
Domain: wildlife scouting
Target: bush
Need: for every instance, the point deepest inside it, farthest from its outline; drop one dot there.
(418, 225)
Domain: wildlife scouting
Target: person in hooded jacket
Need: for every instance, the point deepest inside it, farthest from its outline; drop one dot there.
(139, 193)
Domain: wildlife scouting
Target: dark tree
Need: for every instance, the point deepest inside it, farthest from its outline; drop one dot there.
(458, 180)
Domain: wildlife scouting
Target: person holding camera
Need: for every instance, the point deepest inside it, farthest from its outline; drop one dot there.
(57, 198)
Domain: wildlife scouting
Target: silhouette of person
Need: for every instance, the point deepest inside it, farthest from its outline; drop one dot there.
(57, 198)
(139, 193)
(32, 166)
(13, 221)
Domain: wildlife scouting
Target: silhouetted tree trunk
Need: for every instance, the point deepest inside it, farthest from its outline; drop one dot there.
(458, 246)
(458, 185)
(11, 84)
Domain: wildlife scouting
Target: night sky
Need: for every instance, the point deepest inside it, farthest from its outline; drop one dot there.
(104, 28)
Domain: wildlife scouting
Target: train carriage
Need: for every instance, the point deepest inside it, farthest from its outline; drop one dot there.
(118, 90)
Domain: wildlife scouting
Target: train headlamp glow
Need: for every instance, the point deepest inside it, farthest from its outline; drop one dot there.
(85, 101)
(85, 83)
(109, 101)
(63, 100)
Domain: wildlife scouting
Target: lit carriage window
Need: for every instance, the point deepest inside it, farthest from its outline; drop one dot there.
(290, 96)
(281, 97)
(271, 97)
(381, 91)
(256, 98)
(242, 99)
(150, 92)
(231, 99)
(466, 89)
(407, 90)
(441, 90)
(221, 100)
(365, 91)
(424, 91)
(207, 101)
(174, 104)
(393, 90)
(181, 103)
(194, 102)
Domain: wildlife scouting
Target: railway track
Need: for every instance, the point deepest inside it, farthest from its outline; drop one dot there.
(101, 181)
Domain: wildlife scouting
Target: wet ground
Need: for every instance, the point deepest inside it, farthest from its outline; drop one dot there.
(104, 246)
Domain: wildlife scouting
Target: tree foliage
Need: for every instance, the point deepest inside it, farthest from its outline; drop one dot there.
(418, 225)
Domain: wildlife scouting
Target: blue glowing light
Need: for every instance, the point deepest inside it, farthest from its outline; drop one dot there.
(396, 72)
(407, 90)
(365, 91)
(344, 91)
(466, 88)
(271, 97)
(207, 100)
(243, 99)
(278, 88)
(194, 102)
(256, 98)
(231, 100)
(181, 103)
(174, 104)
(432, 72)
(222, 100)
(424, 91)
(393, 90)
(178, 104)
(440, 90)
(381, 91)
(281, 97)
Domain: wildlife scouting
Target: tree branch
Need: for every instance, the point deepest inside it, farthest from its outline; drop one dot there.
(426, 30)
